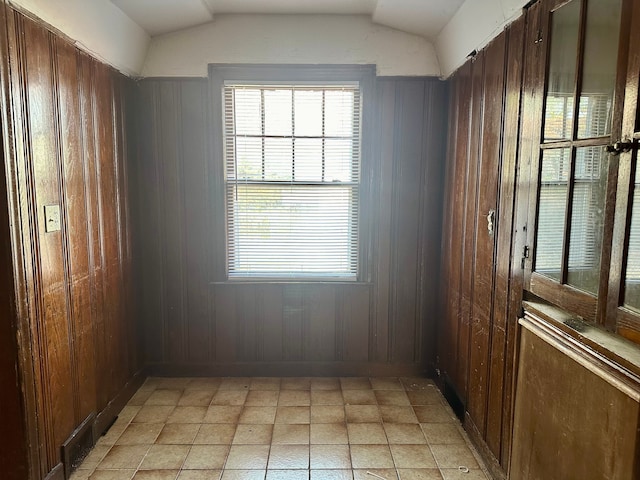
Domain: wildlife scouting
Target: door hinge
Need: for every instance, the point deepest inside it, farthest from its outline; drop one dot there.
(538, 37)
(525, 254)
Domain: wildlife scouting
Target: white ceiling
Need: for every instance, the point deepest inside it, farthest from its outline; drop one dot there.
(420, 17)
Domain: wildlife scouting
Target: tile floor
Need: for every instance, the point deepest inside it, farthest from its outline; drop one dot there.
(284, 429)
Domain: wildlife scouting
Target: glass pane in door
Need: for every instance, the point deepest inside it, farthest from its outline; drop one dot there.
(554, 177)
(559, 102)
(599, 68)
(632, 276)
(587, 218)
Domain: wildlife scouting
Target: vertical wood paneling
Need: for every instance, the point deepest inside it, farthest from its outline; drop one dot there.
(488, 174)
(65, 145)
(192, 320)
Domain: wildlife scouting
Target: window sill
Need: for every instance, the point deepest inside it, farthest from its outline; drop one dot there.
(618, 353)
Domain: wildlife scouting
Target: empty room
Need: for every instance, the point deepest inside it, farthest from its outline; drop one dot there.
(320, 240)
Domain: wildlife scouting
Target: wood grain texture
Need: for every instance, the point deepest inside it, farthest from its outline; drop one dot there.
(193, 317)
(65, 144)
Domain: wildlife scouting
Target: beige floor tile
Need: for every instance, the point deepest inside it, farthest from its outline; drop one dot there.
(164, 397)
(122, 474)
(164, 457)
(243, 475)
(329, 456)
(262, 398)
(371, 456)
(329, 434)
(187, 415)
(173, 382)
(156, 475)
(434, 414)
(294, 398)
(265, 383)
(206, 457)
(253, 435)
(296, 383)
(204, 383)
(355, 383)
(196, 398)
(430, 396)
(359, 397)
(404, 433)
(293, 414)
(366, 433)
(140, 434)
(386, 383)
(335, 474)
(453, 456)
(124, 457)
(325, 383)
(235, 383)
(283, 457)
(255, 415)
(362, 413)
(391, 397)
(287, 474)
(140, 397)
(327, 414)
(386, 473)
(128, 413)
(95, 456)
(81, 475)
(326, 397)
(287, 434)
(417, 383)
(397, 414)
(456, 474)
(178, 434)
(419, 474)
(230, 397)
(153, 414)
(247, 457)
(215, 434)
(442, 433)
(223, 414)
(112, 435)
(412, 456)
(200, 475)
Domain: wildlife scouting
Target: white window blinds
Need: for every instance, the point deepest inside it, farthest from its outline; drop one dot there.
(292, 163)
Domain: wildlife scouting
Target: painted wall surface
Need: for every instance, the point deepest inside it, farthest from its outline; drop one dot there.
(281, 39)
(473, 26)
(98, 27)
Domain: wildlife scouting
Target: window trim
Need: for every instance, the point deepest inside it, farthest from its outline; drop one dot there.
(219, 74)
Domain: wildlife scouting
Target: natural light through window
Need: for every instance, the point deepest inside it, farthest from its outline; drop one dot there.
(292, 162)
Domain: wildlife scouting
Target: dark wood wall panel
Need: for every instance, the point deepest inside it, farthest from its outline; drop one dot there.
(475, 349)
(66, 144)
(193, 321)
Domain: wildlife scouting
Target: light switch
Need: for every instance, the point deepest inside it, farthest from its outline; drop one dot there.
(51, 218)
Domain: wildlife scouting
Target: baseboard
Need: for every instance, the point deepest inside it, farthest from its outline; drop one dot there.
(490, 461)
(57, 473)
(287, 369)
(107, 416)
(78, 445)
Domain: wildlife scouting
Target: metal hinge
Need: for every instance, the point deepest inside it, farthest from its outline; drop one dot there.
(525, 254)
(538, 37)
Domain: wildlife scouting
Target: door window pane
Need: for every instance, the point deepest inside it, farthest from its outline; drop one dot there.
(599, 70)
(565, 27)
(632, 277)
(587, 218)
(554, 176)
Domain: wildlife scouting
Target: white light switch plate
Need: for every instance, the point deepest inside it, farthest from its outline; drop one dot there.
(51, 218)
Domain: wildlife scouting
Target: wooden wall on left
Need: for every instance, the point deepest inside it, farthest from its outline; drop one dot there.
(66, 144)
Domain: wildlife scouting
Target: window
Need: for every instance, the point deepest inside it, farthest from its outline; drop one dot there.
(584, 207)
(292, 174)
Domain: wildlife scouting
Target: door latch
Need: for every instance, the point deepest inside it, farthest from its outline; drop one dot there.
(491, 217)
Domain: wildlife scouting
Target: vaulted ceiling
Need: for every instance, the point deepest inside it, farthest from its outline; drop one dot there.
(420, 17)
